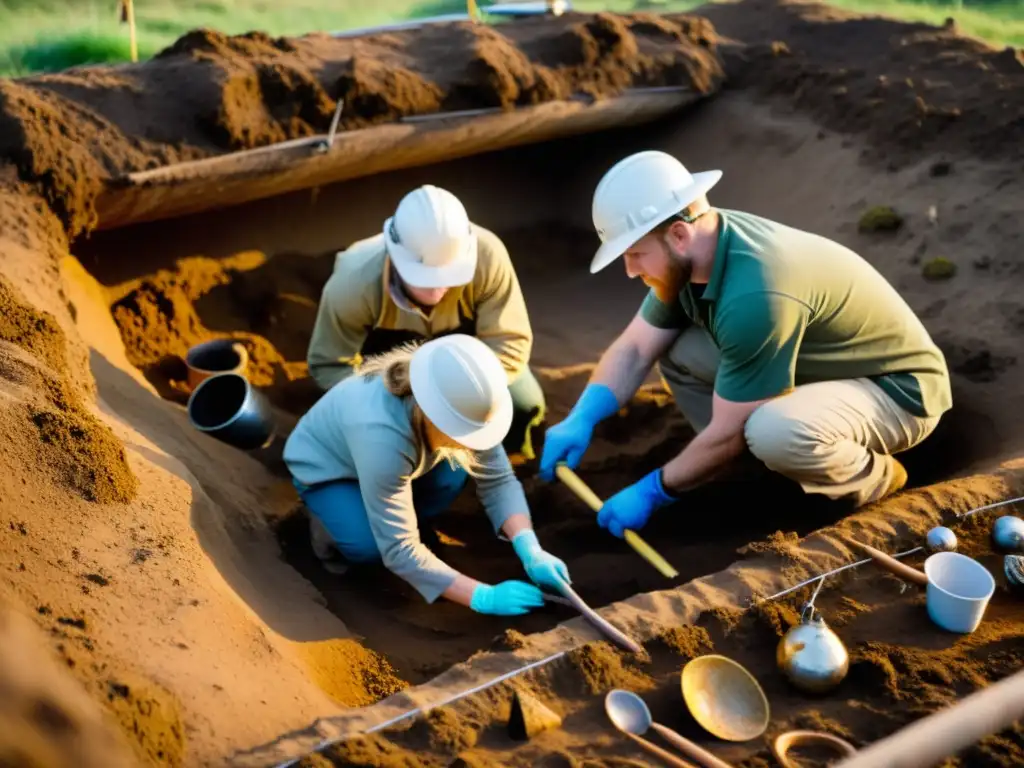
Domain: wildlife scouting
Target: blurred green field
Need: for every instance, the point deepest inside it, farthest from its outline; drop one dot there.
(51, 35)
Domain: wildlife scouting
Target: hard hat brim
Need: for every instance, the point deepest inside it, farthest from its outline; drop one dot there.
(612, 249)
(418, 275)
(476, 437)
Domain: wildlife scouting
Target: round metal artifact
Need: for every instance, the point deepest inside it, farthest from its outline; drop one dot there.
(941, 539)
(724, 698)
(1008, 534)
(811, 655)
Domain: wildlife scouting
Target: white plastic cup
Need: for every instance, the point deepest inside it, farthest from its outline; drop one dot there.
(959, 589)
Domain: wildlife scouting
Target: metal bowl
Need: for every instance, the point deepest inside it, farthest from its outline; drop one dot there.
(230, 409)
(213, 357)
(724, 698)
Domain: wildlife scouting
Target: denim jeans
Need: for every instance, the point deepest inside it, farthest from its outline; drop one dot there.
(339, 506)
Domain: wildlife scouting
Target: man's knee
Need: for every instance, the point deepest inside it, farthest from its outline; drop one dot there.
(778, 437)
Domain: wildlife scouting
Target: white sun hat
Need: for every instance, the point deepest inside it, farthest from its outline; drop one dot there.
(637, 194)
(430, 240)
(461, 386)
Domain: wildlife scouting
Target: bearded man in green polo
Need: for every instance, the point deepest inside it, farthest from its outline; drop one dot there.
(770, 338)
(430, 272)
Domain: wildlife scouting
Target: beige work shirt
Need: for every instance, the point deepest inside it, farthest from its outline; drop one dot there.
(362, 298)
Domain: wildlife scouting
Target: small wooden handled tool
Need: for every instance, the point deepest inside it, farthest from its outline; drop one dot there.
(689, 748)
(601, 623)
(642, 548)
(654, 749)
(891, 564)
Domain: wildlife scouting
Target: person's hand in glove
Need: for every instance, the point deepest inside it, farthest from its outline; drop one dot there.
(542, 567)
(567, 440)
(633, 506)
(509, 598)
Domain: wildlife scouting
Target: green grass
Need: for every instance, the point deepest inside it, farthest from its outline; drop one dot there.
(50, 35)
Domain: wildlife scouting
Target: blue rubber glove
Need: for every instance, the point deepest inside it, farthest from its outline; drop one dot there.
(633, 506)
(509, 598)
(568, 440)
(542, 567)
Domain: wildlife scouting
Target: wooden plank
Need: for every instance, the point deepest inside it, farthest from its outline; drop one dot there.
(241, 177)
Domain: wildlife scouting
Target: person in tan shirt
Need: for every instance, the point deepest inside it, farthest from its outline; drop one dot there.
(430, 272)
(386, 450)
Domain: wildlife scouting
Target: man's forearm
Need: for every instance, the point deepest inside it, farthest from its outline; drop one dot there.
(621, 369)
(706, 455)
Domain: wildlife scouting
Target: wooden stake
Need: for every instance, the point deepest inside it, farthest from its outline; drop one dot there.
(128, 15)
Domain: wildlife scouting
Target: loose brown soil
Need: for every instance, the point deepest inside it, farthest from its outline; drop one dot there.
(902, 667)
(172, 574)
(208, 93)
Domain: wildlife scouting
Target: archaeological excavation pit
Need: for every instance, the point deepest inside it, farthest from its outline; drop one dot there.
(171, 266)
(254, 273)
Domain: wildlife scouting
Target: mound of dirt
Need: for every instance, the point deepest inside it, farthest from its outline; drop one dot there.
(911, 88)
(209, 93)
(45, 719)
(81, 452)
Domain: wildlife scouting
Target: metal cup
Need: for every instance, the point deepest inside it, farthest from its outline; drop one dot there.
(227, 407)
(213, 357)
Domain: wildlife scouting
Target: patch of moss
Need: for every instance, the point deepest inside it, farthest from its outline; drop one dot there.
(880, 218)
(938, 268)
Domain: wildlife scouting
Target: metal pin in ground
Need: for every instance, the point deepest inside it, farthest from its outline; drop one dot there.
(322, 147)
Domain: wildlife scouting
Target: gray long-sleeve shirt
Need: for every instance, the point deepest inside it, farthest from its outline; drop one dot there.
(360, 431)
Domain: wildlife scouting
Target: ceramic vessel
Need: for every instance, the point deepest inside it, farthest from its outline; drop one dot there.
(811, 655)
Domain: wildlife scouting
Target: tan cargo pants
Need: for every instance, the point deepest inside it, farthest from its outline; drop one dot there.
(834, 438)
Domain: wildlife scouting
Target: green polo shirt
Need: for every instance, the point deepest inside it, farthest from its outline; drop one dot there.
(787, 307)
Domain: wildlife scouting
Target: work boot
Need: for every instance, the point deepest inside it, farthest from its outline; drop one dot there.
(899, 479)
(323, 547)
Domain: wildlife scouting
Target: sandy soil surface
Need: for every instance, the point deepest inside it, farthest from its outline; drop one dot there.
(171, 572)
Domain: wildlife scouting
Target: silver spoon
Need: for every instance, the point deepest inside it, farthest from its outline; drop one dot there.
(629, 713)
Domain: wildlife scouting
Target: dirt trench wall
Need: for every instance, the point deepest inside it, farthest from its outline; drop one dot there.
(231, 647)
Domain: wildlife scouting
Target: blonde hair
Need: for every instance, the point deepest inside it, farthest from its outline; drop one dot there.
(393, 368)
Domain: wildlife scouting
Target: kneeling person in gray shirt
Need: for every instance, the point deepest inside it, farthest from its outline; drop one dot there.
(396, 444)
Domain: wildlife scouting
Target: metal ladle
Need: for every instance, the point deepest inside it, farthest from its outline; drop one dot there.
(629, 713)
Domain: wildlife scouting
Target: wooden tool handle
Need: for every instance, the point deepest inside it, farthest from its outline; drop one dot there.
(577, 486)
(601, 623)
(641, 547)
(929, 740)
(665, 755)
(893, 565)
(689, 748)
(786, 741)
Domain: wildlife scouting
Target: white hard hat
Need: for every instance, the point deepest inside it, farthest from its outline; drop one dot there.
(461, 386)
(637, 194)
(429, 239)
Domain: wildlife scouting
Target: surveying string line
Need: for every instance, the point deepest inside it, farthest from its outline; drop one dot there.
(822, 577)
(990, 506)
(422, 710)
